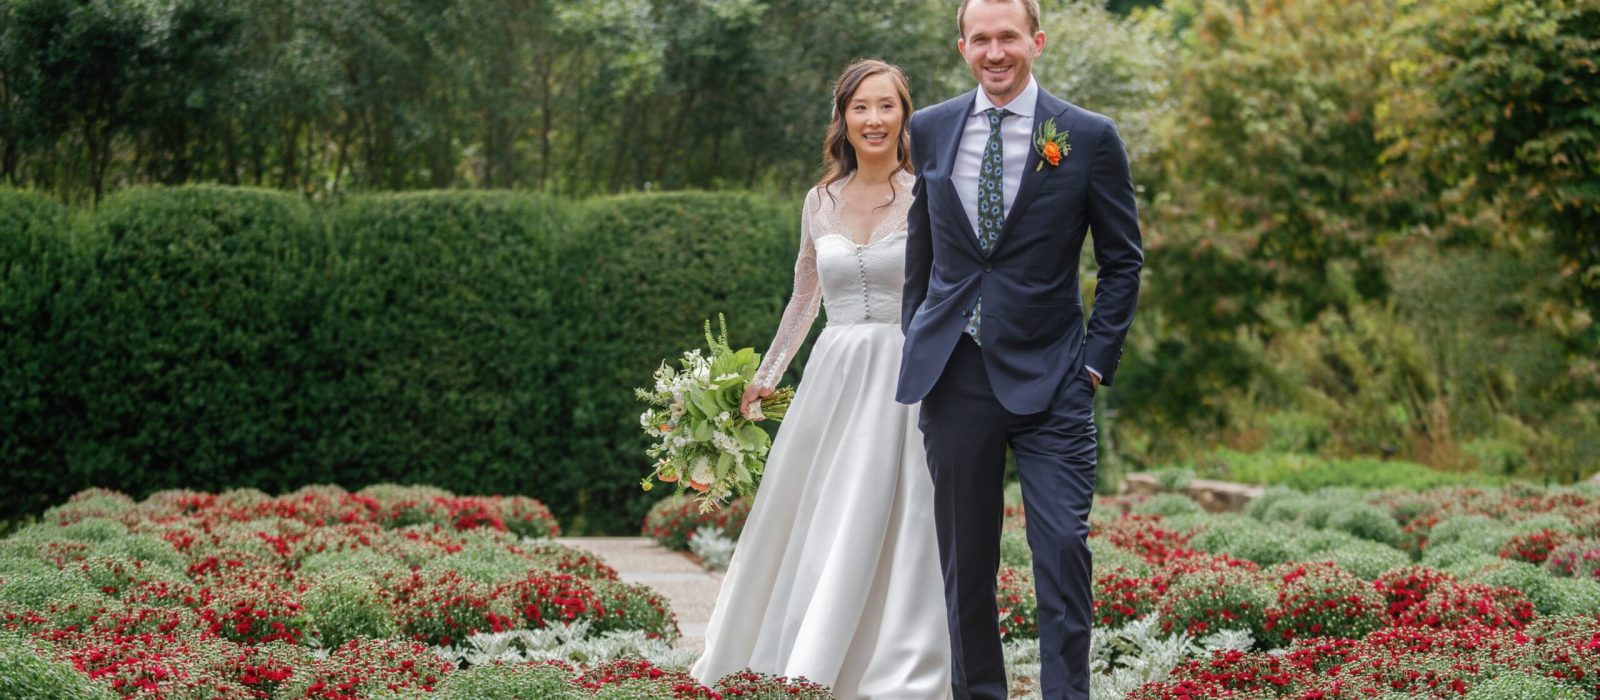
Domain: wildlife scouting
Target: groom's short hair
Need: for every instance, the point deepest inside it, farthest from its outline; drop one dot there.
(1030, 6)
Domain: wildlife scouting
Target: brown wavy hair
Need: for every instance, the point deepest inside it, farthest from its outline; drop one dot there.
(838, 156)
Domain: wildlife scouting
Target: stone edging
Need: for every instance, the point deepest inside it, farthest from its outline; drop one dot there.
(1213, 496)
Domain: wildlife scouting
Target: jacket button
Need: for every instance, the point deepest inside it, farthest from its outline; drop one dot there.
(988, 268)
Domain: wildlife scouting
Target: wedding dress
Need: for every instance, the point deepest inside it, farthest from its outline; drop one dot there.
(836, 576)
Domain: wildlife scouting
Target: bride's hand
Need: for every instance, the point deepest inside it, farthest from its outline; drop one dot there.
(752, 395)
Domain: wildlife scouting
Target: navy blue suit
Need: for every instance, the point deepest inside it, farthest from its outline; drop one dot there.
(1026, 387)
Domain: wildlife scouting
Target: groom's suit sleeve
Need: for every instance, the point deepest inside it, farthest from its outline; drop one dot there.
(919, 244)
(1114, 223)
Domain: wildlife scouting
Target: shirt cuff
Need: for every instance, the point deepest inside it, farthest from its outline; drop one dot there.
(1098, 377)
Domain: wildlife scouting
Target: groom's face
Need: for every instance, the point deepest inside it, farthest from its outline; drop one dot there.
(1000, 44)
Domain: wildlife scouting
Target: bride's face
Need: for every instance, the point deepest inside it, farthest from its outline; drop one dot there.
(872, 118)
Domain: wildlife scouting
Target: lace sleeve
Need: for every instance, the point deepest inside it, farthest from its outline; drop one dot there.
(802, 308)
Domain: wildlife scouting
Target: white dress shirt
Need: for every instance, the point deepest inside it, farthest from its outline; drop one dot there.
(1016, 137)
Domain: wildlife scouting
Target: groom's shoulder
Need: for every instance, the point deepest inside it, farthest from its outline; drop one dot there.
(1091, 122)
(944, 110)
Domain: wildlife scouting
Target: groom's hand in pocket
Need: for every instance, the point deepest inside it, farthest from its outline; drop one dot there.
(753, 395)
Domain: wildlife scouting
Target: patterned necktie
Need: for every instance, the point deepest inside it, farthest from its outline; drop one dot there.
(991, 203)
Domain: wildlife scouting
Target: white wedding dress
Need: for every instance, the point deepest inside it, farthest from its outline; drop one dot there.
(836, 577)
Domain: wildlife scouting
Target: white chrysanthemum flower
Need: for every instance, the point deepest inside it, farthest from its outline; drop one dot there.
(702, 472)
(727, 443)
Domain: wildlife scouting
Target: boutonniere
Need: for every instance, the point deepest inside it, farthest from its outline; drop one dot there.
(1051, 145)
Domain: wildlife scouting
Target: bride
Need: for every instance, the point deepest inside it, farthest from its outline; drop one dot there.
(836, 577)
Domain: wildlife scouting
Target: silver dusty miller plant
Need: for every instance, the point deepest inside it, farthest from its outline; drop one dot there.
(1127, 657)
(714, 550)
(571, 643)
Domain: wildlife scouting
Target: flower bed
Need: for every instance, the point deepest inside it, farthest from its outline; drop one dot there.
(322, 593)
(1449, 593)
(673, 520)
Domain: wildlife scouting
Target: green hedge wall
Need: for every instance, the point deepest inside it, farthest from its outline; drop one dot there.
(209, 338)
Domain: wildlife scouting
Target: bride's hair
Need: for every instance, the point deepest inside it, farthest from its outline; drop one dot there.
(838, 156)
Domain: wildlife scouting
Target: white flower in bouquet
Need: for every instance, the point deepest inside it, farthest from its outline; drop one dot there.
(702, 441)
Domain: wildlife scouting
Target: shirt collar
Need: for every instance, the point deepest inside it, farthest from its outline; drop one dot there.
(1022, 106)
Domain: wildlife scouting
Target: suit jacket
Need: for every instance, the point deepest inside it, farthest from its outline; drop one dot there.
(1034, 335)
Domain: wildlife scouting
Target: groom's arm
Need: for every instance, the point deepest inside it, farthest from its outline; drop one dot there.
(1114, 223)
(919, 247)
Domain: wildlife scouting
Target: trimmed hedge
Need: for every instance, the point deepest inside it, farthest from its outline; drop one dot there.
(483, 342)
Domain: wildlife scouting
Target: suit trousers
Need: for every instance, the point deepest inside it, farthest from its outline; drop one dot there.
(966, 432)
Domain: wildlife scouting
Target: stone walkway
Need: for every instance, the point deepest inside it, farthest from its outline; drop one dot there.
(688, 588)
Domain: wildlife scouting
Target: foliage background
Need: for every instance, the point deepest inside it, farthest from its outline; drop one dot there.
(1370, 228)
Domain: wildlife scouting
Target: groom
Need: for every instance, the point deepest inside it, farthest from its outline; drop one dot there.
(996, 347)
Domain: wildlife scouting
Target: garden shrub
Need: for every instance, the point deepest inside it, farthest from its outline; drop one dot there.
(1244, 538)
(30, 676)
(1478, 533)
(1523, 686)
(1451, 555)
(1107, 556)
(1315, 542)
(1576, 597)
(510, 682)
(1368, 560)
(466, 339)
(37, 590)
(1167, 504)
(1459, 605)
(42, 266)
(1538, 585)
(1405, 588)
(1270, 499)
(1565, 648)
(363, 667)
(344, 606)
(1122, 596)
(1580, 558)
(761, 686)
(1014, 549)
(673, 519)
(1297, 431)
(1018, 604)
(1205, 601)
(1367, 522)
(1322, 600)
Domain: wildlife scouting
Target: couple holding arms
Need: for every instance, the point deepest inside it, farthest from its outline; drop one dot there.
(945, 247)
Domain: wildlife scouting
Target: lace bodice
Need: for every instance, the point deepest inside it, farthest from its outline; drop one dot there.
(857, 282)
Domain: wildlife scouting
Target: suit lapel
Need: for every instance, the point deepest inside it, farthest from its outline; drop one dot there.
(952, 133)
(1047, 107)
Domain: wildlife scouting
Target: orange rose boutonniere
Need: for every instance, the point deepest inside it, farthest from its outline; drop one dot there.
(1051, 145)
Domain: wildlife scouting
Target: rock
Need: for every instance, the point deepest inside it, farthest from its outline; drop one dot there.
(1223, 496)
(1213, 496)
(1139, 484)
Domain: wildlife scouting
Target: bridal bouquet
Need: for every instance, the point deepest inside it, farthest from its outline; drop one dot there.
(702, 441)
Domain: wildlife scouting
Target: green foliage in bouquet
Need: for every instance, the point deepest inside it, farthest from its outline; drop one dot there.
(703, 442)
